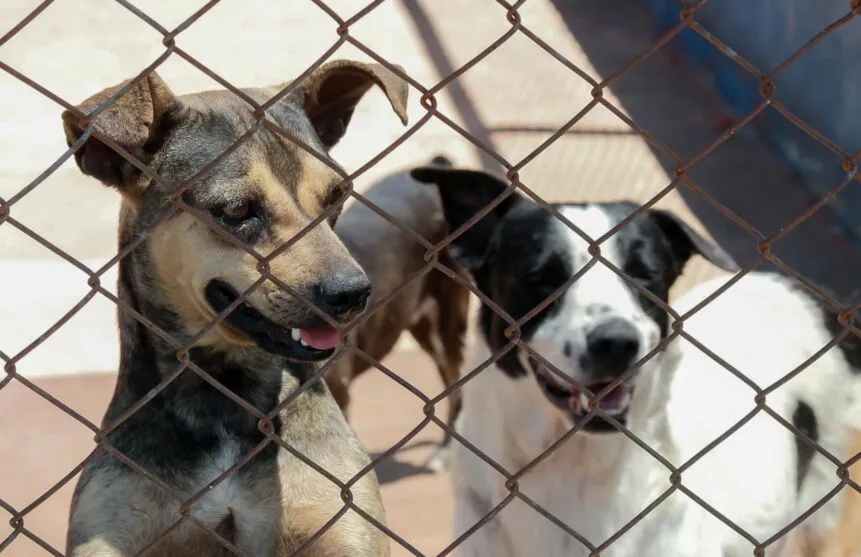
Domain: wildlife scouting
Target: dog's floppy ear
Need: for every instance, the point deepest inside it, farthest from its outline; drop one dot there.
(330, 95)
(134, 121)
(684, 242)
(464, 193)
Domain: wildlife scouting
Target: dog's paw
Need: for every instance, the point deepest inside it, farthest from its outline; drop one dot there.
(439, 460)
(441, 160)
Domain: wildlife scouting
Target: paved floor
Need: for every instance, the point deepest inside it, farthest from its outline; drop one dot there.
(511, 101)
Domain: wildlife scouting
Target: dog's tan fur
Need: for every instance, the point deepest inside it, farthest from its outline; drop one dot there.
(188, 434)
(845, 541)
(433, 307)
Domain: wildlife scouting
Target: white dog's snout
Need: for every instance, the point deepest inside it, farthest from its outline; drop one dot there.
(612, 345)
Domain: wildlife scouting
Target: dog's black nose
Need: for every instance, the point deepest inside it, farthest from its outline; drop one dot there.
(612, 347)
(343, 294)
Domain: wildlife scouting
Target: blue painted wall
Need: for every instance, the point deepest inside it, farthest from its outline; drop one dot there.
(823, 87)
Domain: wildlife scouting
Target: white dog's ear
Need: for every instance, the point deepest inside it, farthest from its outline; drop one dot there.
(684, 242)
(464, 193)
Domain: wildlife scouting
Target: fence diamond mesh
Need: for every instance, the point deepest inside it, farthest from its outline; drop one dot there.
(509, 14)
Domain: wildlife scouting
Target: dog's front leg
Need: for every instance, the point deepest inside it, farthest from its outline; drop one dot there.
(114, 512)
(97, 547)
(470, 507)
(697, 535)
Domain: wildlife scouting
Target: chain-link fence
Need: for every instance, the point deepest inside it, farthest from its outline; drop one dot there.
(428, 94)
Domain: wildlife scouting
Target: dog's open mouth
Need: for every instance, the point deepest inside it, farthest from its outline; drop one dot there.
(312, 343)
(568, 397)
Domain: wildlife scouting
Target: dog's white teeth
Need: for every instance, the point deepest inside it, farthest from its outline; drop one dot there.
(584, 402)
(622, 406)
(297, 337)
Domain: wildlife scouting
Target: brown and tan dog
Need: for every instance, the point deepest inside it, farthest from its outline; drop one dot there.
(183, 274)
(433, 308)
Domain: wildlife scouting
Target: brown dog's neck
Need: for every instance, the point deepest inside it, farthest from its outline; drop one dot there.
(147, 359)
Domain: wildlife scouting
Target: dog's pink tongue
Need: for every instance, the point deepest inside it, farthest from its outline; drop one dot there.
(321, 339)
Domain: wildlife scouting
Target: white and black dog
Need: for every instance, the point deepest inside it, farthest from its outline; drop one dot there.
(597, 482)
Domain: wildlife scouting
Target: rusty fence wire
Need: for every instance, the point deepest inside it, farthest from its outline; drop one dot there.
(428, 100)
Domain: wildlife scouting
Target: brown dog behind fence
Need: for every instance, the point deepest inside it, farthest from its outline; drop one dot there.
(183, 469)
(433, 308)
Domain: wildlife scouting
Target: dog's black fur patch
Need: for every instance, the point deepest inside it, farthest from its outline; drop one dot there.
(804, 419)
(524, 266)
(850, 346)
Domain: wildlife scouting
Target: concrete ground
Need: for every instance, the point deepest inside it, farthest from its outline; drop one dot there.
(511, 101)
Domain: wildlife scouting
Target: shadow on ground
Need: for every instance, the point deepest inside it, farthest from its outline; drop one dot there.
(394, 468)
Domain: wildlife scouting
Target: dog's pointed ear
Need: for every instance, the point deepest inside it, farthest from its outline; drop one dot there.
(684, 242)
(135, 121)
(464, 193)
(330, 95)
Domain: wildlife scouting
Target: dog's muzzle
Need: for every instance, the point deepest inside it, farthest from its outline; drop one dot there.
(572, 400)
(308, 342)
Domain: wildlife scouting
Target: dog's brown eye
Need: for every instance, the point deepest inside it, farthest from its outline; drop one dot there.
(236, 213)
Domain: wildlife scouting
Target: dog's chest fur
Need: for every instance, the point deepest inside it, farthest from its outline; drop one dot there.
(234, 503)
(597, 485)
(593, 485)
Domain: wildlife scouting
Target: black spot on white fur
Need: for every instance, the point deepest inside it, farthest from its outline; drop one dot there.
(804, 419)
